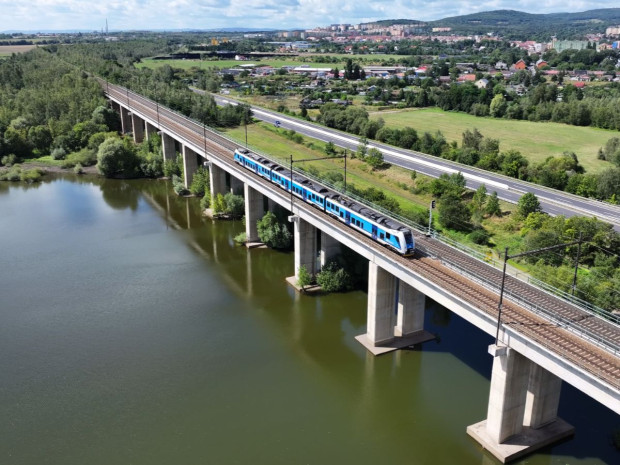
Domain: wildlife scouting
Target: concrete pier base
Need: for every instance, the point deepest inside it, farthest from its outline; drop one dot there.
(396, 343)
(526, 442)
(522, 410)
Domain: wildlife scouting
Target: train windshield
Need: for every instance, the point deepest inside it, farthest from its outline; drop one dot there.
(409, 240)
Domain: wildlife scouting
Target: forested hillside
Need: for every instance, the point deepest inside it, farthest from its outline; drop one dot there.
(518, 25)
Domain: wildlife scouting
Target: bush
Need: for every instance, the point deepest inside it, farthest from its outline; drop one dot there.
(58, 153)
(77, 169)
(178, 186)
(205, 202)
(9, 160)
(30, 176)
(171, 168)
(219, 204)
(85, 157)
(333, 278)
(116, 157)
(241, 238)
(273, 233)
(16, 174)
(235, 205)
(200, 182)
(304, 278)
(479, 236)
(11, 175)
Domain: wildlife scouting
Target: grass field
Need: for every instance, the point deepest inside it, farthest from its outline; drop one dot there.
(536, 141)
(187, 64)
(267, 139)
(7, 50)
(275, 62)
(394, 181)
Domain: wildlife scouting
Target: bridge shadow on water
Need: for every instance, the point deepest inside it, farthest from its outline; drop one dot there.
(320, 331)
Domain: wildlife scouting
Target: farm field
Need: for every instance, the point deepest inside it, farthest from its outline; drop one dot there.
(536, 141)
(7, 50)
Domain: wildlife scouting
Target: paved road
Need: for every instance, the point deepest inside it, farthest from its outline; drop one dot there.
(552, 201)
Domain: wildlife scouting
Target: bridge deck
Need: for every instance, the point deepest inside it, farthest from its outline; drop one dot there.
(589, 342)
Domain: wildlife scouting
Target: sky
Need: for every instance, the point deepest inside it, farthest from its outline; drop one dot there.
(38, 15)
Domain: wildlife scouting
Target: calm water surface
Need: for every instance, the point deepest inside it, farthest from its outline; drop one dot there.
(133, 331)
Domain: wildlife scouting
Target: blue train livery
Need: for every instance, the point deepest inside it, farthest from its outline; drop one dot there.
(373, 224)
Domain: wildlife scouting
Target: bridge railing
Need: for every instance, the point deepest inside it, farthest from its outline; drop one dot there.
(555, 317)
(201, 129)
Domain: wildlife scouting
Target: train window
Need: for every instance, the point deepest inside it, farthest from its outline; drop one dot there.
(382, 236)
(387, 235)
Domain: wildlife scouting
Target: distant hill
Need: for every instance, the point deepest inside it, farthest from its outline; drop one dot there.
(519, 25)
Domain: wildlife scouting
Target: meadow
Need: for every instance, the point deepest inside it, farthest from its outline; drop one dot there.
(535, 140)
(7, 50)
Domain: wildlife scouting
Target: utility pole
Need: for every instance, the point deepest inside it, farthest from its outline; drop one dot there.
(523, 254)
(430, 217)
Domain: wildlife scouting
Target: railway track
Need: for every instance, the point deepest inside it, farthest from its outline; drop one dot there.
(589, 341)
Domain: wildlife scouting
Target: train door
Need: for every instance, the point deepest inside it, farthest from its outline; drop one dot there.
(374, 232)
(347, 217)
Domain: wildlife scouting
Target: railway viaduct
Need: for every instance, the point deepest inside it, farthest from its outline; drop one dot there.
(542, 340)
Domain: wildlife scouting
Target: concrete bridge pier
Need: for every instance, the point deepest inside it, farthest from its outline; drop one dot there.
(167, 147)
(137, 127)
(305, 246)
(522, 410)
(395, 314)
(150, 130)
(253, 213)
(190, 165)
(410, 310)
(125, 120)
(217, 178)
(236, 186)
(330, 247)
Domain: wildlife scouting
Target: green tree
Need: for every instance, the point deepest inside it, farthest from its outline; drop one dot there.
(200, 182)
(498, 106)
(115, 158)
(374, 158)
(304, 278)
(453, 213)
(362, 148)
(478, 204)
(273, 233)
(234, 205)
(218, 204)
(528, 203)
(493, 208)
(334, 278)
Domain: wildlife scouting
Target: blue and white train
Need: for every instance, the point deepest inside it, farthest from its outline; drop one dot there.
(384, 230)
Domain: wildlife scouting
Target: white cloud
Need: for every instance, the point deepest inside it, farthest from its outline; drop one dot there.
(277, 14)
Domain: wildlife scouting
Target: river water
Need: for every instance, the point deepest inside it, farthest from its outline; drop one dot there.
(134, 331)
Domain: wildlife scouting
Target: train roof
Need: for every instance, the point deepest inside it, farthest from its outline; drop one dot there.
(334, 196)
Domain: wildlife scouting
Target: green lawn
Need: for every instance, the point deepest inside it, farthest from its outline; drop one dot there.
(536, 141)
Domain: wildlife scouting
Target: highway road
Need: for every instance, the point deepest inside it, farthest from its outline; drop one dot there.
(552, 201)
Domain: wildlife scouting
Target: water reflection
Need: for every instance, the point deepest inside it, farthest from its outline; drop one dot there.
(210, 347)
